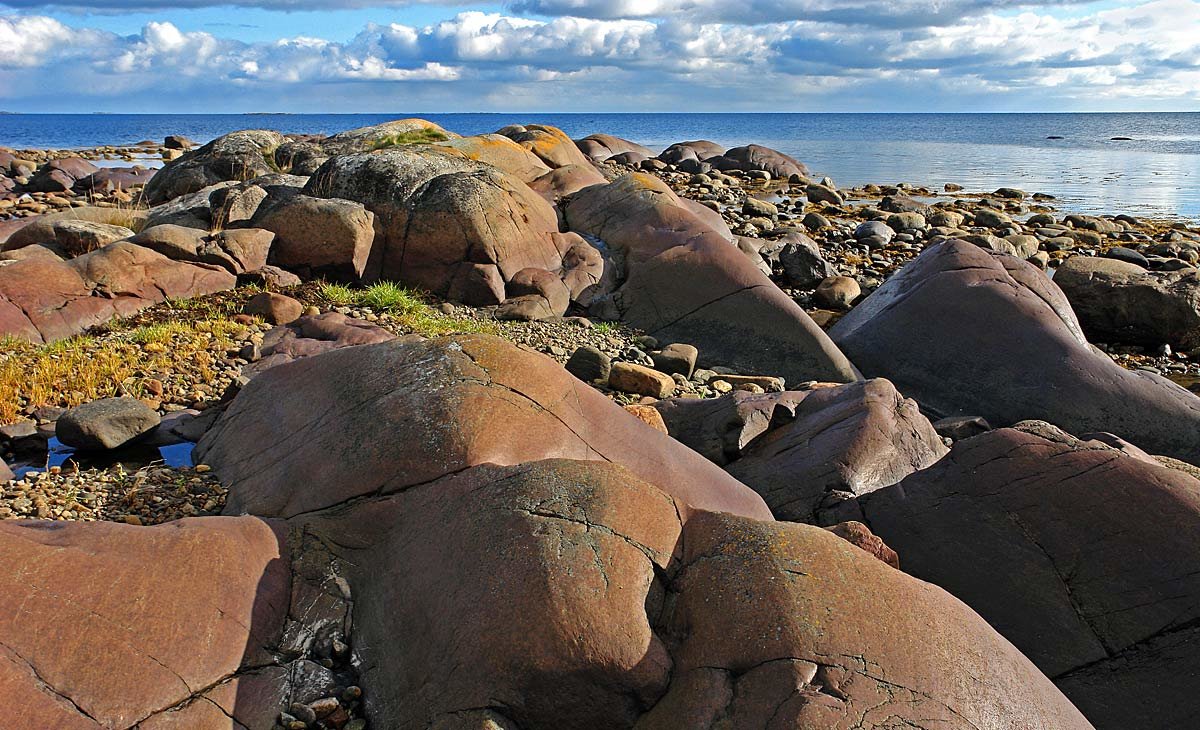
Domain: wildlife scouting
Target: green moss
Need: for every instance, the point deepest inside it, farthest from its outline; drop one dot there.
(415, 136)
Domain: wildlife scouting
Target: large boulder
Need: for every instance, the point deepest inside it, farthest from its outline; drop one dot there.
(969, 332)
(235, 156)
(461, 402)
(758, 158)
(851, 439)
(40, 229)
(600, 147)
(500, 151)
(784, 625)
(42, 299)
(324, 237)
(686, 281)
(1081, 555)
(1121, 302)
(719, 429)
(401, 131)
(439, 212)
(550, 144)
(60, 176)
(699, 150)
(527, 588)
(109, 625)
(313, 335)
(237, 250)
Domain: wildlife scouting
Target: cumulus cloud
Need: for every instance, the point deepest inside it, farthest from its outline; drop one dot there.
(478, 60)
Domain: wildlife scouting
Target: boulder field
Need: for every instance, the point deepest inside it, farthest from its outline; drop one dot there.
(549, 560)
(786, 461)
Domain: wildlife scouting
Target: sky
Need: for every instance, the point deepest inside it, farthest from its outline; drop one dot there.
(383, 56)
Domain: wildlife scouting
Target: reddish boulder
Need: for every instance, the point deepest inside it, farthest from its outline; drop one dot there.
(758, 158)
(685, 281)
(785, 625)
(699, 150)
(1084, 557)
(445, 405)
(600, 147)
(1037, 366)
(720, 428)
(60, 176)
(501, 152)
(313, 335)
(852, 439)
(530, 588)
(183, 611)
(42, 300)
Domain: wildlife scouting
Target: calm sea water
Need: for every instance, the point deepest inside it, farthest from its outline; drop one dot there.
(1157, 172)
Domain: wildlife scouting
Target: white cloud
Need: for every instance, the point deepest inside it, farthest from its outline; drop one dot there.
(490, 60)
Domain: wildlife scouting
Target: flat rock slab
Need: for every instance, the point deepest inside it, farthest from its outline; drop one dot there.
(108, 423)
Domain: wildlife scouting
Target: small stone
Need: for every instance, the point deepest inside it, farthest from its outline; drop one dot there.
(648, 415)
(628, 377)
(108, 423)
(589, 365)
(837, 292)
(324, 706)
(275, 308)
(720, 386)
(303, 713)
(676, 358)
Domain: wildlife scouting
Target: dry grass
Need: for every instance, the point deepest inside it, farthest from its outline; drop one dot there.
(84, 368)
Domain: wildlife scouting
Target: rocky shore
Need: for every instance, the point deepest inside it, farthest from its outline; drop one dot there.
(402, 429)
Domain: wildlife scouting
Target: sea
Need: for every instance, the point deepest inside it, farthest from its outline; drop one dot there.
(1142, 164)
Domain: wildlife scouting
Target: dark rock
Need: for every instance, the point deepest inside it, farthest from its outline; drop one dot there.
(108, 423)
(589, 365)
(932, 330)
(676, 358)
(961, 427)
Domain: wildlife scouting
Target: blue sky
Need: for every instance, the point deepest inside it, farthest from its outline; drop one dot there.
(598, 55)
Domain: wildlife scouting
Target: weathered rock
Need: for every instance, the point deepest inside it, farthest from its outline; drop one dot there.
(40, 229)
(313, 335)
(647, 415)
(550, 144)
(462, 401)
(1090, 559)
(758, 158)
(108, 423)
(676, 358)
(269, 276)
(600, 147)
(235, 156)
(687, 282)
(720, 428)
(932, 330)
(42, 300)
(364, 139)
(322, 237)
(696, 150)
(82, 652)
(1121, 302)
(58, 176)
(854, 438)
(860, 536)
(803, 265)
(500, 151)
(6, 474)
(784, 625)
(818, 193)
(438, 212)
(875, 234)
(77, 237)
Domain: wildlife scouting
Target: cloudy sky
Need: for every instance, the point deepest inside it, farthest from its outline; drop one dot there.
(598, 55)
